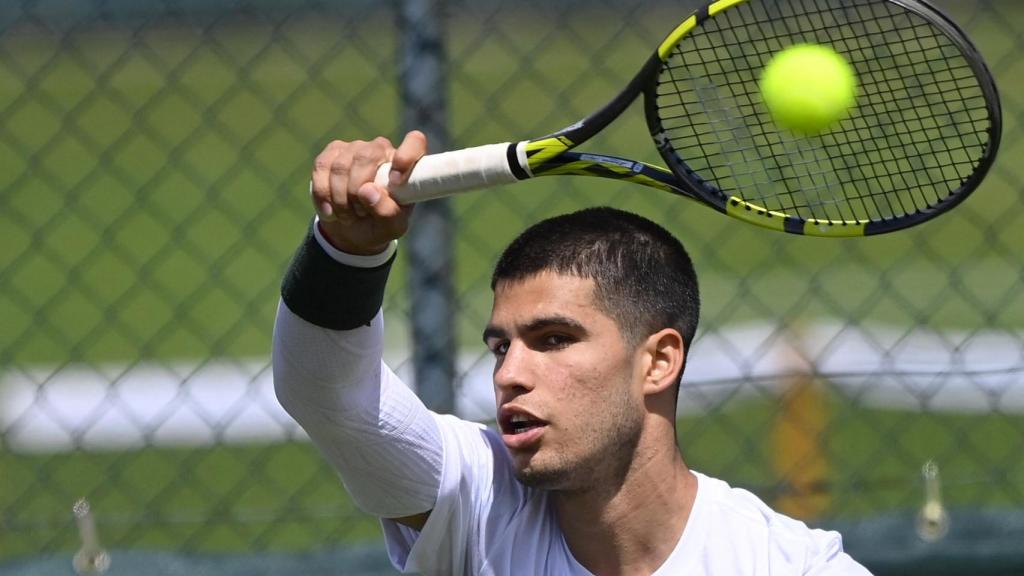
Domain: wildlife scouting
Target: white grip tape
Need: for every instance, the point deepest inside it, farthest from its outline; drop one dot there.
(447, 173)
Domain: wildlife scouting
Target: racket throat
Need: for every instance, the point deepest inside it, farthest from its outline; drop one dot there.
(518, 162)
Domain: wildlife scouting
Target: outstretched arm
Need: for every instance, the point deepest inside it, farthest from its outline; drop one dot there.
(328, 371)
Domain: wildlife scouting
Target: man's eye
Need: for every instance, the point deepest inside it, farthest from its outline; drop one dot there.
(499, 349)
(557, 340)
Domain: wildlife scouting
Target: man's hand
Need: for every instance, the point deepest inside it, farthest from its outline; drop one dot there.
(358, 216)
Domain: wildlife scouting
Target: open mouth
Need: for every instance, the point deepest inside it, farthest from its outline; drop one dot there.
(521, 431)
(520, 423)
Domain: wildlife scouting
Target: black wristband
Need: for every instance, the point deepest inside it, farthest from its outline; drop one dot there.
(325, 292)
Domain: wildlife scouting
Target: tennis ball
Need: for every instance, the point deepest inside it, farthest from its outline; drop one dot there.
(808, 87)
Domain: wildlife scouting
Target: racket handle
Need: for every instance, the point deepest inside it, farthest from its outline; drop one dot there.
(447, 173)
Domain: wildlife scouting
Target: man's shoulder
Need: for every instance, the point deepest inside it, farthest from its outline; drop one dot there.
(743, 508)
(744, 521)
(462, 433)
(484, 461)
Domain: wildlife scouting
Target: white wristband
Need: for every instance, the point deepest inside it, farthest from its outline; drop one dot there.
(354, 260)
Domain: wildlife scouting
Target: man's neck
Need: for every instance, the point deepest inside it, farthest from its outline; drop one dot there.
(632, 527)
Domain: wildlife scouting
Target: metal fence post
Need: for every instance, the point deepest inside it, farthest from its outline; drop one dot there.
(429, 243)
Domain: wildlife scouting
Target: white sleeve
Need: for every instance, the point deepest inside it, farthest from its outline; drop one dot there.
(381, 439)
(477, 496)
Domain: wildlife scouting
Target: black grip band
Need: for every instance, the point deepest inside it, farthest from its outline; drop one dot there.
(325, 292)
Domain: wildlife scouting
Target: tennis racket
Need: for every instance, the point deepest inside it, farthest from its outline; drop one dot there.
(923, 133)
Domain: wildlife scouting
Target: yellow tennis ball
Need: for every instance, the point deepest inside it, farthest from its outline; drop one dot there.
(808, 87)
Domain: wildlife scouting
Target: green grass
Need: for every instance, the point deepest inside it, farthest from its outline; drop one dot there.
(284, 497)
(154, 187)
(236, 498)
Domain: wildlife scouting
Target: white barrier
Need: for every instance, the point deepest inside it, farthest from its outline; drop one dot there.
(182, 404)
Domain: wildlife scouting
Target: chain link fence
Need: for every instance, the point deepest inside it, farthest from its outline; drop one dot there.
(155, 156)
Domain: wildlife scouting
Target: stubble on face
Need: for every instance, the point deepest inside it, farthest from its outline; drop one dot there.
(602, 455)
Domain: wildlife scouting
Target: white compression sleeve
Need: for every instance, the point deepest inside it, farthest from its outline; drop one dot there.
(382, 440)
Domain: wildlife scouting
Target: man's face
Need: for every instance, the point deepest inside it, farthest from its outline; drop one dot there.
(567, 385)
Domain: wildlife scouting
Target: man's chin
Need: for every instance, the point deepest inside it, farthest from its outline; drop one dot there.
(541, 477)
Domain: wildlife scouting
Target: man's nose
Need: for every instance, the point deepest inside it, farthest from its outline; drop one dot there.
(512, 370)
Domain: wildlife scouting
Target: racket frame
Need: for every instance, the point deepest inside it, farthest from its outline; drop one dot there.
(495, 164)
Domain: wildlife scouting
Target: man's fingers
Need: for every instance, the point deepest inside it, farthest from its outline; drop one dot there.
(365, 161)
(319, 182)
(369, 197)
(338, 178)
(323, 208)
(377, 201)
(342, 184)
(412, 148)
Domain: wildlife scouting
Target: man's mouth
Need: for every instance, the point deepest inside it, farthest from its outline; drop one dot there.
(520, 423)
(520, 429)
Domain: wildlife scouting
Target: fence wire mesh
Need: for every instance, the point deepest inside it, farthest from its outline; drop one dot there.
(155, 157)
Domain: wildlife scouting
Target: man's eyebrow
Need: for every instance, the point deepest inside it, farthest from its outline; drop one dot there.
(492, 332)
(549, 321)
(535, 325)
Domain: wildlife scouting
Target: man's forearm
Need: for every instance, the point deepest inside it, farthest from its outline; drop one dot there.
(329, 376)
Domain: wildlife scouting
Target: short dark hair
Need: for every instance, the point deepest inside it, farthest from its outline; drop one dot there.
(643, 276)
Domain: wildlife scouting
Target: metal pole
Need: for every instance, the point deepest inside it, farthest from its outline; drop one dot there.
(429, 242)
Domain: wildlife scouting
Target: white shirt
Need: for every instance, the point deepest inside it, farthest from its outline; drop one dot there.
(486, 523)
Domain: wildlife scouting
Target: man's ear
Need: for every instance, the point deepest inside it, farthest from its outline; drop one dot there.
(666, 354)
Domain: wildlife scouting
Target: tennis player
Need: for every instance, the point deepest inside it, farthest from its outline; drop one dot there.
(592, 320)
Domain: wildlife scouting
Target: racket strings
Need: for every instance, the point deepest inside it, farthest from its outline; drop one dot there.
(917, 132)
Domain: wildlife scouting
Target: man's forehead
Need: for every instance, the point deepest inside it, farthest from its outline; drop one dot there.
(542, 295)
(545, 281)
